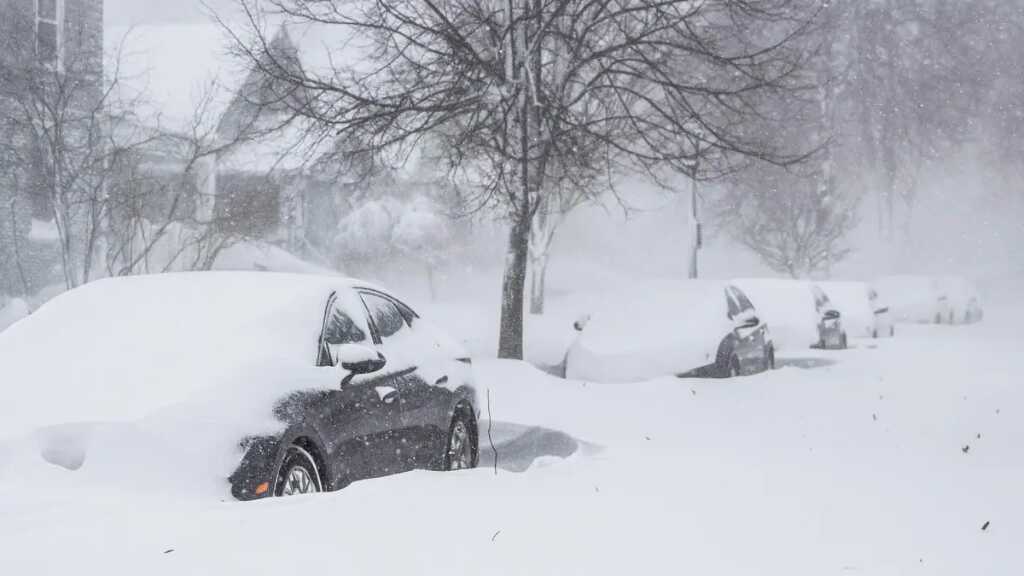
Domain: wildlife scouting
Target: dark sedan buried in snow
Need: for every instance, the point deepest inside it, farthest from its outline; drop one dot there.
(278, 384)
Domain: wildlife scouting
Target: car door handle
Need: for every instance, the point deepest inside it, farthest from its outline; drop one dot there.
(387, 394)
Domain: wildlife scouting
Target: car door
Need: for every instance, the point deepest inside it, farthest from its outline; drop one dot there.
(363, 415)
(424, 382)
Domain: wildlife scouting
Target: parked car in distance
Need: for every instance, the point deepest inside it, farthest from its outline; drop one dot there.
(831, 332)
(788, 306)
(913, 299)
(864, 313)
(962, 301)
(276, 384)
(694, 329)
(883, 324)
(931, 299)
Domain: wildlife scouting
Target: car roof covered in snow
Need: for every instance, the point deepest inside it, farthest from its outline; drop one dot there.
(660, 312)
(119, 348)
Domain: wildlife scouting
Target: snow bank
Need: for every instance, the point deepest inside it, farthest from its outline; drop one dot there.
(12, 311)
(787, 306)
(264, 257)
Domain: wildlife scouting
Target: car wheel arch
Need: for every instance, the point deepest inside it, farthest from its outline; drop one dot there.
(310, 442)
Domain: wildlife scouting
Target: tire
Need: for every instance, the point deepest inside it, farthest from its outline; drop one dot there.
(874, 334)
(298, 474)
(842, 342)
(770, 359)
(938, 318)
(892, 331)
(462, 450)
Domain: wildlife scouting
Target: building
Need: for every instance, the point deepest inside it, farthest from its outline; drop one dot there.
(51, 69)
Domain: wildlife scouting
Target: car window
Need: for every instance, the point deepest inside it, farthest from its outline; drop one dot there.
(820, 299)
(742, 300)
(340, 327)
(730, 300)
(386, 316)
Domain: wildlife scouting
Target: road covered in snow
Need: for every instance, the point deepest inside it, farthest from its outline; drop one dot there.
(900, 456)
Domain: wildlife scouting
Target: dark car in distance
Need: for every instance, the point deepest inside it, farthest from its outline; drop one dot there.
(831, 333)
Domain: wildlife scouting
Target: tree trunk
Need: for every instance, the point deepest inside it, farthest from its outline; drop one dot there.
(513, 288)
(694, 248)
(431, 285)
(538, 281)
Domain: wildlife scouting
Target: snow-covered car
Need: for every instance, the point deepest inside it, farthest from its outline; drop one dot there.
(883, 317)
(694, 329)
(831, 327)
(787, 306)
(932, 300)
(916, 299)
(962, 301)
(269, 384)
(864, 313)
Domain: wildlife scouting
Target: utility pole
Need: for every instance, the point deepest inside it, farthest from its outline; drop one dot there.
(695, 232)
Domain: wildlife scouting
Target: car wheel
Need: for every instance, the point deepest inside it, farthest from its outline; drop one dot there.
(461, 450)
(842, 341)
(298, 474)
(938, 318)
(892, 331)
(770, 358)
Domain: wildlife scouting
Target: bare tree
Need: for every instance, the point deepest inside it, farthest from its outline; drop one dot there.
(508, 90)
(125, 195)
(912, 74)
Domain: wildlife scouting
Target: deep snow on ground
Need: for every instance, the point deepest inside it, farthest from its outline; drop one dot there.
(885, 459)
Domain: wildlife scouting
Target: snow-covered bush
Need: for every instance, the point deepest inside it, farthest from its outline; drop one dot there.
(390, 230)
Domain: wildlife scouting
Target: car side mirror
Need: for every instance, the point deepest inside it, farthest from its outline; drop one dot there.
(358, 359)
(581, 323)
(750, 322)
(831, 315)
(882, 310)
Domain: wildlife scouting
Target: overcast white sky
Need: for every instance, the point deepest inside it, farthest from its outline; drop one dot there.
(139, 12)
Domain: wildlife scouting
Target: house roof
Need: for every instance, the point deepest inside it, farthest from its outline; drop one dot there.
(171, 71)
(184, 73)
